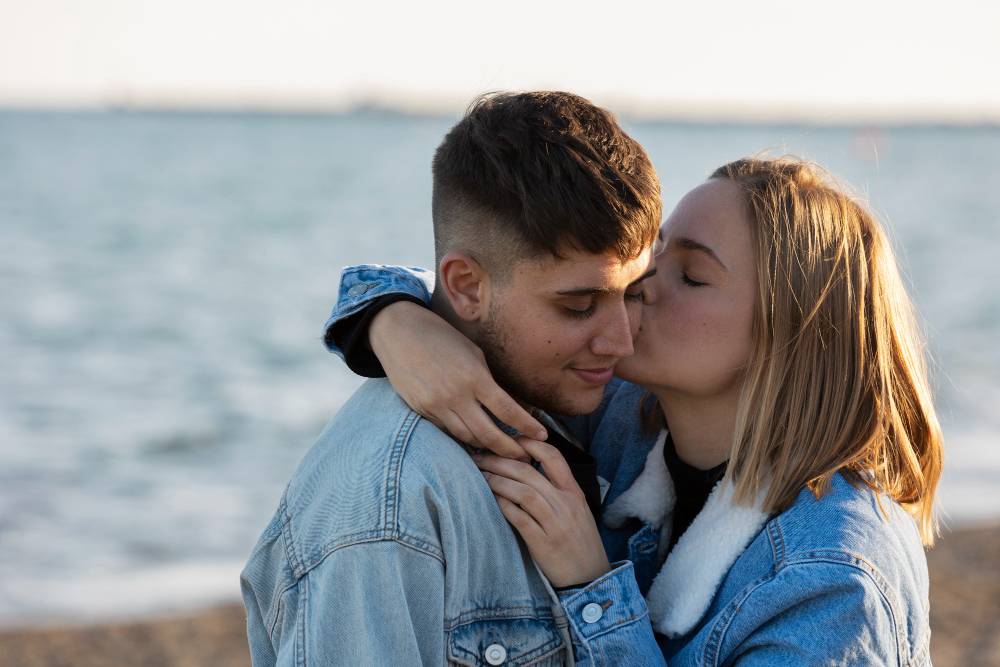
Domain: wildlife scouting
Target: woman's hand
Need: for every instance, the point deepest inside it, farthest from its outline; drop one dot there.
(550, 514)
(442, 375)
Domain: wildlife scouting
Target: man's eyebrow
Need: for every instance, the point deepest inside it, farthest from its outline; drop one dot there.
(691, 244)
(647, 274)
(587, 291)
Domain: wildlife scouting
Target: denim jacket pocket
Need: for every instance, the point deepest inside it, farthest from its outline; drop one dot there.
(642, 551)
(506, 641)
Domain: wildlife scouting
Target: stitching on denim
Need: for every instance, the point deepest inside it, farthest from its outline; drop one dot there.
(639, 547)
(498, 614)
(777, 543)
(719, 629)
(394, 469)
(286, 531)
(377, 536)
(921, 657)
(857, 562)
(617, 624)
(546, 650)
(592, 584)
(272, 614)
(550, 647)
(300, 657)
(368, 536)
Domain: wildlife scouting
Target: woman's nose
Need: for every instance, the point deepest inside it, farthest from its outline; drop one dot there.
(652, 288)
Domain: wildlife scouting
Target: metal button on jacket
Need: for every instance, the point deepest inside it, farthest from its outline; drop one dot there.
(358, 289)
(496, 654)
(592, 612)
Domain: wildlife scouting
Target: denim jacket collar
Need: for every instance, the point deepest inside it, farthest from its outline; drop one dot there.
(683, 589)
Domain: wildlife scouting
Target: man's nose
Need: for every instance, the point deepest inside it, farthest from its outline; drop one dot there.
(615, 337)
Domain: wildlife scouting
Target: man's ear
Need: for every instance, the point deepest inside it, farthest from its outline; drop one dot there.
(466, 284)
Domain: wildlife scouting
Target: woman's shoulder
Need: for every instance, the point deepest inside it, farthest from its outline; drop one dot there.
(852, 525)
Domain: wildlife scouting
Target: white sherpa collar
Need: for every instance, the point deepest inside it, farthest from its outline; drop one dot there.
(651, 496)
(687, 582)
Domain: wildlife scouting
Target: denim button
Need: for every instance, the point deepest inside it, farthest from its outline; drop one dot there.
(358, 289)
(496, 654)
(592, 612)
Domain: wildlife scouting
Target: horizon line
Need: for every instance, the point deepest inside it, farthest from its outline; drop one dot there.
(629, 107)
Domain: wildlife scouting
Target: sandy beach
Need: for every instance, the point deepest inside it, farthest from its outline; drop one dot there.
(965, 621)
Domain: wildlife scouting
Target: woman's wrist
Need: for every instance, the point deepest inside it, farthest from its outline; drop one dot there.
(386, 321)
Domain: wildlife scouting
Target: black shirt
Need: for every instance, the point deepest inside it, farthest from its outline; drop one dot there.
(693, 487)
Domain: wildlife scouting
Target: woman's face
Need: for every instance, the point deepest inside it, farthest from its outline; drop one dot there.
(695, 334)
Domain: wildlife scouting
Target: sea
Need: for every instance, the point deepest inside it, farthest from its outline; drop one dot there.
(165, 277)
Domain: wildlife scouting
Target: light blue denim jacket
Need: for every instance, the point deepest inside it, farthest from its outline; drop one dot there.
(835, 581)
(388, 548)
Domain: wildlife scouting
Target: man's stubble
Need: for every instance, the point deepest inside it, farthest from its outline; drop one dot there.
(500, 351)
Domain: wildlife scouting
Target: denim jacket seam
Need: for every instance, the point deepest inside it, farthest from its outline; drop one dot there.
(394, 469)
(573, 596)
(498, 614)
(919, 658)
(713, 644)
(777, 543)
(300, 653)
(285, 585)
(545, 650)
(616, 625)
(286, 532)
(860, 564)
(369, 536)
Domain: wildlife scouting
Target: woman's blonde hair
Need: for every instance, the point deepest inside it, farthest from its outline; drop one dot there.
(836, 380)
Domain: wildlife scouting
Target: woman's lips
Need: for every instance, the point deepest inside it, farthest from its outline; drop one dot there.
(595, 376)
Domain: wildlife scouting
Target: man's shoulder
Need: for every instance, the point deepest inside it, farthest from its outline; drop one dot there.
(374, 459)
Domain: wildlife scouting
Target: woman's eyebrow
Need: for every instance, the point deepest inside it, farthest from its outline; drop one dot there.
(691, 244)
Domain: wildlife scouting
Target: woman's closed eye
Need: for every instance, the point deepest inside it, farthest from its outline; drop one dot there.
(687, 280)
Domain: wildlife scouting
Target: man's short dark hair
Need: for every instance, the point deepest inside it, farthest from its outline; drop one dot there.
(524, 175)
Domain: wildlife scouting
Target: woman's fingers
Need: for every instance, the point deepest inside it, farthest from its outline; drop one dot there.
(506, 409)
(487, 435)
(524, 522)
(553, 463)
(531, 502)
(519, 471)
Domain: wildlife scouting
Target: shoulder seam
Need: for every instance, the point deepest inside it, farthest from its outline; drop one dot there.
(860, 564)
(391, 518)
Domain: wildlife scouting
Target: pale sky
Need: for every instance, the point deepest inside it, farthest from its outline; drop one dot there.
(727, 58)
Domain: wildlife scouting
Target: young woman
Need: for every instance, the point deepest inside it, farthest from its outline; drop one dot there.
(790, 444)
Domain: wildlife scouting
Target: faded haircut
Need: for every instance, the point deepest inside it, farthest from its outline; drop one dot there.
(528, 175)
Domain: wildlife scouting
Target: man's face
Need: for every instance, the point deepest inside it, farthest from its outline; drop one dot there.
(555, 330)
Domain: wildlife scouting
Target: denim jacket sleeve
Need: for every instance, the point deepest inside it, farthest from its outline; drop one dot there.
(609, 622)
(377, 602)
(360, 285)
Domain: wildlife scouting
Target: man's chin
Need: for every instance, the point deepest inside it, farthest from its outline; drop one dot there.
(573, 403)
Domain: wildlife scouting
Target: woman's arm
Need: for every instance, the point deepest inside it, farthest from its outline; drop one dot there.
(440, 373)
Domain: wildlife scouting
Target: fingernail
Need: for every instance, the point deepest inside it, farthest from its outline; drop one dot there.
(486, 475)
(477, 457)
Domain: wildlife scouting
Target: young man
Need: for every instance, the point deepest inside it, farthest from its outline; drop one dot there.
(388, 547)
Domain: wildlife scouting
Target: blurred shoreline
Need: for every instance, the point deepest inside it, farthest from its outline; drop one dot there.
(682, 112)
(964, 599)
